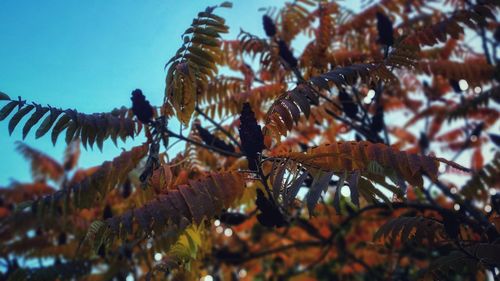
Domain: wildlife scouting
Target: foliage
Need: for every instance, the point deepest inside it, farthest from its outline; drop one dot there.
(337, 161)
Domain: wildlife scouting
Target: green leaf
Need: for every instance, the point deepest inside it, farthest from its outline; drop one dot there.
(97, 235)
(39, 113)
(195, 234)
(47, 122)
(204, 40)
(215, 17)
(174, 58)
(202, 54)
(4, 96)
(18, 116)
(192, 247)
(208, 31)
(213, 23)
(7, 109)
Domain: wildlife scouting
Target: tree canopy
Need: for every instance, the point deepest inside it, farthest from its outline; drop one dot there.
(331, 149)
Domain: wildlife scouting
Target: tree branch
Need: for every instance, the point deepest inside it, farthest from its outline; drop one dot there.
(219, 127)
(218, 150)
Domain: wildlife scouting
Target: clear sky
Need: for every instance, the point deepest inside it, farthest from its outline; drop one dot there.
(90, 55)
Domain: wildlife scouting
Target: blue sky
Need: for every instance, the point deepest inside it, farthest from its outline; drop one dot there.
(90, 55)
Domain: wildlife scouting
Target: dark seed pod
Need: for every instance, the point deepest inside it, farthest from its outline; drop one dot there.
(141, 108)
(59, 210)
(495, 202)
(125, 253)
(378, 120)
(212, 140)
(11, 206)
(102, 251)
(252, 140)
(303, 146)
(269, 26)
(451, 225)
(349, 107)
(456, 87)
(270, 215)
(233, 218)
(62, 238)
(107, 213)
(423, 142)
(286, 54)
(385, 31)
(228, 256)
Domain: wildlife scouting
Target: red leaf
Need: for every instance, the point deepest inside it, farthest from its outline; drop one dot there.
(477, 159)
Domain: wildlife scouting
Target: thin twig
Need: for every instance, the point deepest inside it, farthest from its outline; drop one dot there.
(219, 127)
